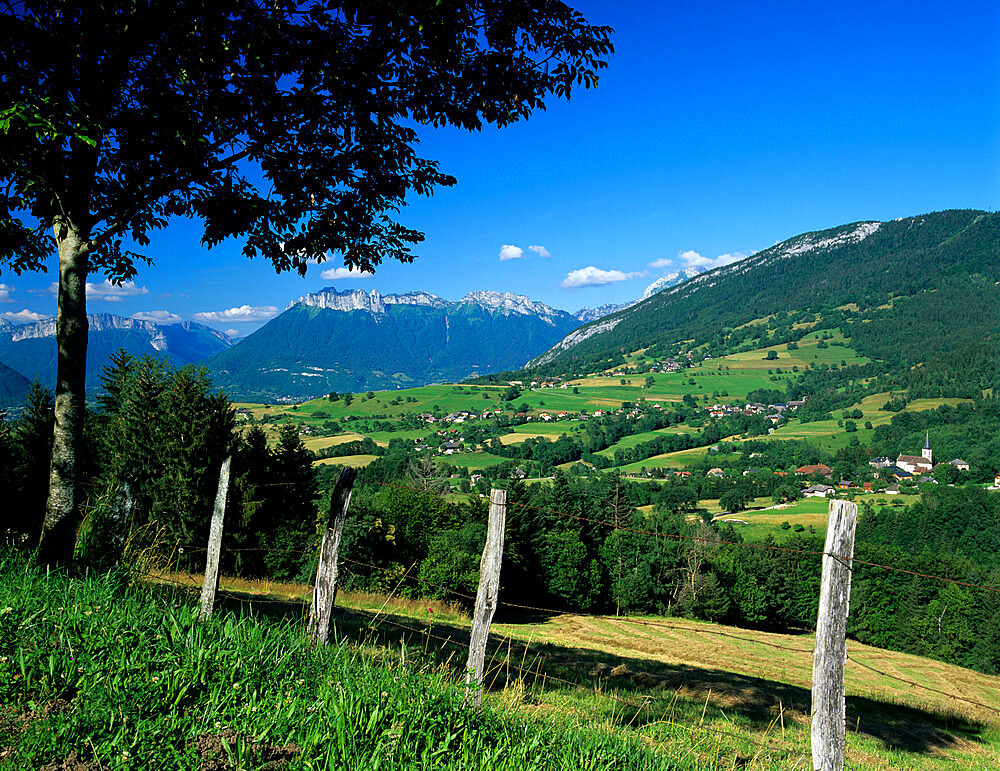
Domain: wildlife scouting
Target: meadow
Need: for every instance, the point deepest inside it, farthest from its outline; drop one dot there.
(724, 379)
(108, 673)
(114, 672)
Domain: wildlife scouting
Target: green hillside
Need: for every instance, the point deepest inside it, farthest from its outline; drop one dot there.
(246, 688)
(907, 288)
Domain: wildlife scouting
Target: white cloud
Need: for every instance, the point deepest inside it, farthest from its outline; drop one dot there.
(241, 314)
(233, 332)
(5, 290)
(114, 293)
(106, 291)
(335, 274)
(23, 317)
(663, 262)
(691, 258)
(591, 276)
(157, 317)
(511, 252)
(541, 251)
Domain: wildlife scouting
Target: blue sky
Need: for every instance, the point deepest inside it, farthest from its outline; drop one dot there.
(717, 130)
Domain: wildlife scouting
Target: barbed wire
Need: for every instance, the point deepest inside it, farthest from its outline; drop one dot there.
(596, 617)
(922, 687)
(544, 675)
(240, 596)
(766, 547)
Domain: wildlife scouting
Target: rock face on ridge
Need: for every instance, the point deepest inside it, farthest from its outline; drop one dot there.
(669, 280)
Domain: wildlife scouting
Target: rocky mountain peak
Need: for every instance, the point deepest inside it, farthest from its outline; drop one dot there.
(671, 279)
(509, 303)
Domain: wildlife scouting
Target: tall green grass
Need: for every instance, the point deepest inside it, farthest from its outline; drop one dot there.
(125, 676)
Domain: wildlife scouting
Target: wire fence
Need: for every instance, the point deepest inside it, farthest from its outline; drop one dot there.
(408, 577)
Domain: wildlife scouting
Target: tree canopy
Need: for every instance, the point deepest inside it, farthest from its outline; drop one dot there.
(289, 126)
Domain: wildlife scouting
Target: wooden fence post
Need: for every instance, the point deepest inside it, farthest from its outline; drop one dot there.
(830, 654)
(211, 582)
(325, 590)
(486, 597)
(122, 519)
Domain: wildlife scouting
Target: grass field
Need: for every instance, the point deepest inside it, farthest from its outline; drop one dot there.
(470, 460)
(767, 521)
(384, 437)
(519, 437)
(553, 429)
(660, 692)
(646, 436)
(680, 459)
(317, 443)
(727, 378)
(353, 461)
(246, 689)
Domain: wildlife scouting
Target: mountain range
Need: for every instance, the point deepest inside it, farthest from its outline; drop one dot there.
(363, 340)
(908, 293)
(29, 349)
(328, 340)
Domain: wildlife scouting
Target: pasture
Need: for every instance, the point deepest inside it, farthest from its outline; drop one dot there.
(567, 690)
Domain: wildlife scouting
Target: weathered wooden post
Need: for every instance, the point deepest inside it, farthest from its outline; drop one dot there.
(121, 517)
(325, 590)
(829, 731)
(211, 582)
(486, 597)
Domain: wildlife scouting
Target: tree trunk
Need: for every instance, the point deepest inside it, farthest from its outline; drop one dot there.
(62, 511)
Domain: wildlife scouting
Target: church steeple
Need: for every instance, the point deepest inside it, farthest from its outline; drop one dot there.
(927, 452)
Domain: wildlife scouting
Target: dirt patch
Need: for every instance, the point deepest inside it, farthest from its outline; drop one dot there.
(14, 722)
(229, 749)
(72, 763)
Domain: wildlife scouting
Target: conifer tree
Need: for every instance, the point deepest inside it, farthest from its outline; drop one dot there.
(32, 437)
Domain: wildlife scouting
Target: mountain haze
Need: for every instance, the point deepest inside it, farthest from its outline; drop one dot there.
(30, 349)
(13, 387)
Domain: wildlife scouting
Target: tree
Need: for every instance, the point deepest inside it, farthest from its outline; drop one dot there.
(291, 515)
(286, 125)
(163, 434)
(426, 475)
(32, 442)
(510, 393)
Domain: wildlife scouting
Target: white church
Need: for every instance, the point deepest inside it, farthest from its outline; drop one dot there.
(924, 463)
(918, 464)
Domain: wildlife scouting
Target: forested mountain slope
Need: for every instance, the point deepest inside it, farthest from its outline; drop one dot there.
(922, 284)
(356, 341)
(13, 387)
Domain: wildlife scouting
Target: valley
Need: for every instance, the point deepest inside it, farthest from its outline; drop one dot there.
(674, 468)
(458, 425)
(499, 386)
